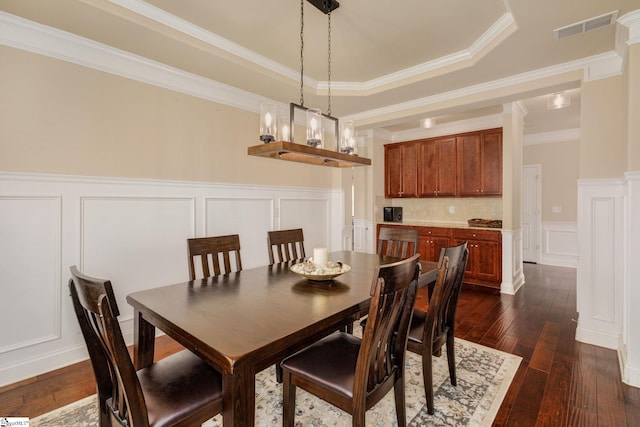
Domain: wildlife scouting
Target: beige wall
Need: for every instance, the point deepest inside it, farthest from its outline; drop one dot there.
(603, 145)
(560, 164)
(56, 117)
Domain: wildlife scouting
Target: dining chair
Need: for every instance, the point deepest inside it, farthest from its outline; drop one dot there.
(180, 389)
(217, 250)
(434, 328)
(397, 242)
(285, 245)
(352, 373)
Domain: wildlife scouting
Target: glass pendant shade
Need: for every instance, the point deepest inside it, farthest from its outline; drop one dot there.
(314, 127)
(268, 123)
(347, 137)
(284, 133)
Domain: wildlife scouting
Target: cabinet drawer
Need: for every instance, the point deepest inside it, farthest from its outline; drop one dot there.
(434, 231)
(474, 234)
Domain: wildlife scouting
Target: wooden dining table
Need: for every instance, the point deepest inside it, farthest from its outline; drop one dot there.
(243, 322)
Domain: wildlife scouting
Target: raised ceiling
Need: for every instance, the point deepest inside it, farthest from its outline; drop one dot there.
(384, 52)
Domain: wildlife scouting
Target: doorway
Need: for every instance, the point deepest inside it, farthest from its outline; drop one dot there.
(531, 213)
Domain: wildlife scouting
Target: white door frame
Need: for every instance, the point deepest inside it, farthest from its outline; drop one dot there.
(532, 220)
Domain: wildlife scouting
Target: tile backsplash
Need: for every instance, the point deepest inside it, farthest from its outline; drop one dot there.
(443, 209)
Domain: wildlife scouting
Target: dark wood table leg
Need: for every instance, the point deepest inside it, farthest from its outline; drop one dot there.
(239, 397)
(144, 339)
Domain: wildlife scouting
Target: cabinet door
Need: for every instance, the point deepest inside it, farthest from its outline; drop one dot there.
(491, 150)
(446, 157)
(401, 163)
(487, 258)
(437, 168)
(392, 171)
(469, 165)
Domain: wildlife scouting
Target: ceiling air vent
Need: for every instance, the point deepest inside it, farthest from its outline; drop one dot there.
(586, 25)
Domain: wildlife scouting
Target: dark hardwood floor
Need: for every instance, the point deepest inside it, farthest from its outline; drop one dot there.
(560, 382)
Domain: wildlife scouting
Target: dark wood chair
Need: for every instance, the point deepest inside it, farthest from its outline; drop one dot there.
(214, 249)
(285, 245)
(180, 389)
(434, 328)
(352, 373)
(397, 242)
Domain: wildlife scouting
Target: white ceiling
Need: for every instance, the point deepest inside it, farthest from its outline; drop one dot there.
(384, 52)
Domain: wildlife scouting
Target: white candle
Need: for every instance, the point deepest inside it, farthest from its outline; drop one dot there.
(320, 256)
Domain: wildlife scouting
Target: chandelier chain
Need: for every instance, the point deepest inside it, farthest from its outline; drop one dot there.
(302, 53)
(329, 63)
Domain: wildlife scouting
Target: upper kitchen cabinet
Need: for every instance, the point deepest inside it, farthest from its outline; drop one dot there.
(400, 170)
(437, 170)
(480, 164)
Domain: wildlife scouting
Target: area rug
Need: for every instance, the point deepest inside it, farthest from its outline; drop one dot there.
(484, 376)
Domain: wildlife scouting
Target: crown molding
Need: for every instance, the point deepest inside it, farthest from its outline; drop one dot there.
(30, 36)
(551, 137)
(27, 35)
(631, 21)
(567, 67)
(498, 31)
(478, 123)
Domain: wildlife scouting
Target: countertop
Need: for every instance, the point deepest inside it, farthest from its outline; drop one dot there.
(419, 223)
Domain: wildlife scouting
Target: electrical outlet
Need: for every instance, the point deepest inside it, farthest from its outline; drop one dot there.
(452, 209)
(556, 209)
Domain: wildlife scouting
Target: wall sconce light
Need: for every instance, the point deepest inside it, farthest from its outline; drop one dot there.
(427, 123)
(558, 100)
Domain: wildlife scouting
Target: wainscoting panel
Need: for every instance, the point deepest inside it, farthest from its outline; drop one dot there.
(136, 242)
(601, 263)
(132, 232)
(30, 236)
(560, 244)
(312, 215)
(251, 219)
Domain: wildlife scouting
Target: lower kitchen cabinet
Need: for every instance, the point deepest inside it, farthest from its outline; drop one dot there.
(431, 240)
(484, 266)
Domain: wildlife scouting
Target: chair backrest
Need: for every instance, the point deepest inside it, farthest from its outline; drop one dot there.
(397, 242)
(384, 338)
(444, 299)
(95, 307)
(211, 249)
(285, 245)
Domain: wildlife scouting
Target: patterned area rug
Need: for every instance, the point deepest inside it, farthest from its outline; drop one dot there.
(484, 376)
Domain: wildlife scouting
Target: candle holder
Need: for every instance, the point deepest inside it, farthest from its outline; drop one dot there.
(267, 123)
(314, 127)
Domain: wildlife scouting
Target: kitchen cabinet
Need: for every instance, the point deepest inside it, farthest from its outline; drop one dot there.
(480, 164)
(401, 169)
(431, 240)
(437, 170)
(484, 266)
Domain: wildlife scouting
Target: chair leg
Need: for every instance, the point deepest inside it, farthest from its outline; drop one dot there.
(427, 374)
(278, 373)
(401, 409)
(451, 358)
(288, 401)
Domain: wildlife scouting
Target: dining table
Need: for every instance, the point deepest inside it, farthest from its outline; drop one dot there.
(241, 323)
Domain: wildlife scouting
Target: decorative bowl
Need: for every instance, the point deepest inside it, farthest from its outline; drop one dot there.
(320, 274)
